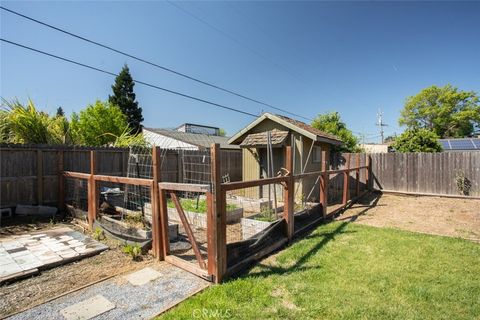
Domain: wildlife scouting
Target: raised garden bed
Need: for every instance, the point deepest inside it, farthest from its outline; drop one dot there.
(255, 224)
(130, 229)
(250, 204)
(196, 216)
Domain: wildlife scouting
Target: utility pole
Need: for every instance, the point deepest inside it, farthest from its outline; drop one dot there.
(381, 124)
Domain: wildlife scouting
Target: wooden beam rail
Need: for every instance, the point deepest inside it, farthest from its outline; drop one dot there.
(187, 187)
(252, 183)
(76, 175)
(229, 186)
(105, 178)
(329, 172)
(125, 180)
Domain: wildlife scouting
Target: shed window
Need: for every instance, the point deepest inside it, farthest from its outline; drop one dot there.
(317, 154)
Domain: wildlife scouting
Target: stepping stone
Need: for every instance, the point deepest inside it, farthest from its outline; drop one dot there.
(11, 245)
(6, 259)
(87, 309)
(41, 235)
(143, 276)
(28, 262)
(8, 269)
(69, 253)
(20, 253)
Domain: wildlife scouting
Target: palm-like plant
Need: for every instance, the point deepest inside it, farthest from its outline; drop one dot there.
(25, 124)
(127, 139)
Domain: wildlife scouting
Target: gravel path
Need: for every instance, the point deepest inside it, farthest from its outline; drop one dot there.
(131, 302)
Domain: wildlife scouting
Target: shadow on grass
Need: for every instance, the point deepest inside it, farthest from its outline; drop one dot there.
(369, 201)
(300, 263)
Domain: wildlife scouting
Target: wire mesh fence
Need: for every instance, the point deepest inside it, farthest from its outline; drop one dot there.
(187, 220)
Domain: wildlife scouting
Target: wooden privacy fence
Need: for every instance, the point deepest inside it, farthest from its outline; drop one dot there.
(225, 259)
(29, 174)
(427, 173)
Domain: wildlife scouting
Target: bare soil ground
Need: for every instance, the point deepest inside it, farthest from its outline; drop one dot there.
(48, 284)
(432, 215)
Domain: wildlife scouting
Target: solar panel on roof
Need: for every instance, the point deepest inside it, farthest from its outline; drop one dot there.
(477, 143)
(462, 144)
(445, 145)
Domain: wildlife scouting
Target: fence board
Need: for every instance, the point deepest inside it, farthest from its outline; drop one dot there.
(433, 173)
(19, 182)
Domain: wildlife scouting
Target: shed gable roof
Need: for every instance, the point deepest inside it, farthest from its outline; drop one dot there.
(277, 137)
(294, 125)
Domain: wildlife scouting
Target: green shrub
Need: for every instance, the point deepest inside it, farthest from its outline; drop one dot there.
(98, 234)
(133, 250)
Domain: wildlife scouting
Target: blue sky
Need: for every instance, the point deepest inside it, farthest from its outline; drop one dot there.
(307, 57)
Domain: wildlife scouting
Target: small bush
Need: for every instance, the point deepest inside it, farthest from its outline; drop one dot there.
(98, 234)
(133, 250)
(463, 183)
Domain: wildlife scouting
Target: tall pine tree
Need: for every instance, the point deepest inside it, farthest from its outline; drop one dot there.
(124, 97)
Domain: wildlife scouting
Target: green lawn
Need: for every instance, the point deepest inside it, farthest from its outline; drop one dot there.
(350, 271)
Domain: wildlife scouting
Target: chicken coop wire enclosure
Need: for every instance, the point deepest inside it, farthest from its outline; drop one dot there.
(76, 198)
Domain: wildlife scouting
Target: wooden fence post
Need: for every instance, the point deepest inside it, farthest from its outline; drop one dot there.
(324, 184)
(346, 176)
(39, 177)
(368, 172)
(163, 211)
(216, 221)
(61, 182)
(180, 166)
(357, 175)
(288, 195)
(157, 234)
(92, 191)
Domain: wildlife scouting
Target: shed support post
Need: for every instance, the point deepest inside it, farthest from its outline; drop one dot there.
(289, 192)
(216, 220)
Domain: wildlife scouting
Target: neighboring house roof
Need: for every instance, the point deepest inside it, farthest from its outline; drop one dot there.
(277, 137)
(294, 125)
(460, 144)
(178, 139)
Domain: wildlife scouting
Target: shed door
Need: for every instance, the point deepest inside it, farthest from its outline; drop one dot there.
(277, 165)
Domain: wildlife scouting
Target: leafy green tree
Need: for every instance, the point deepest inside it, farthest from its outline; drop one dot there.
(99, 124)
(417, 140)
(332, 123)
(447, 111)
(124, 97)
(222, 132)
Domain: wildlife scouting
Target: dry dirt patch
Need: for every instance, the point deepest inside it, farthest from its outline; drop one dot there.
(433, 215)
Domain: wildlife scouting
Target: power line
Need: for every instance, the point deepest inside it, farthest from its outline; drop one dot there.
(136, 81)
(151, 63)
(238, 42)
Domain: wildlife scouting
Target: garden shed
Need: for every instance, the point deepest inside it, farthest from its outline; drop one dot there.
(280, 131)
